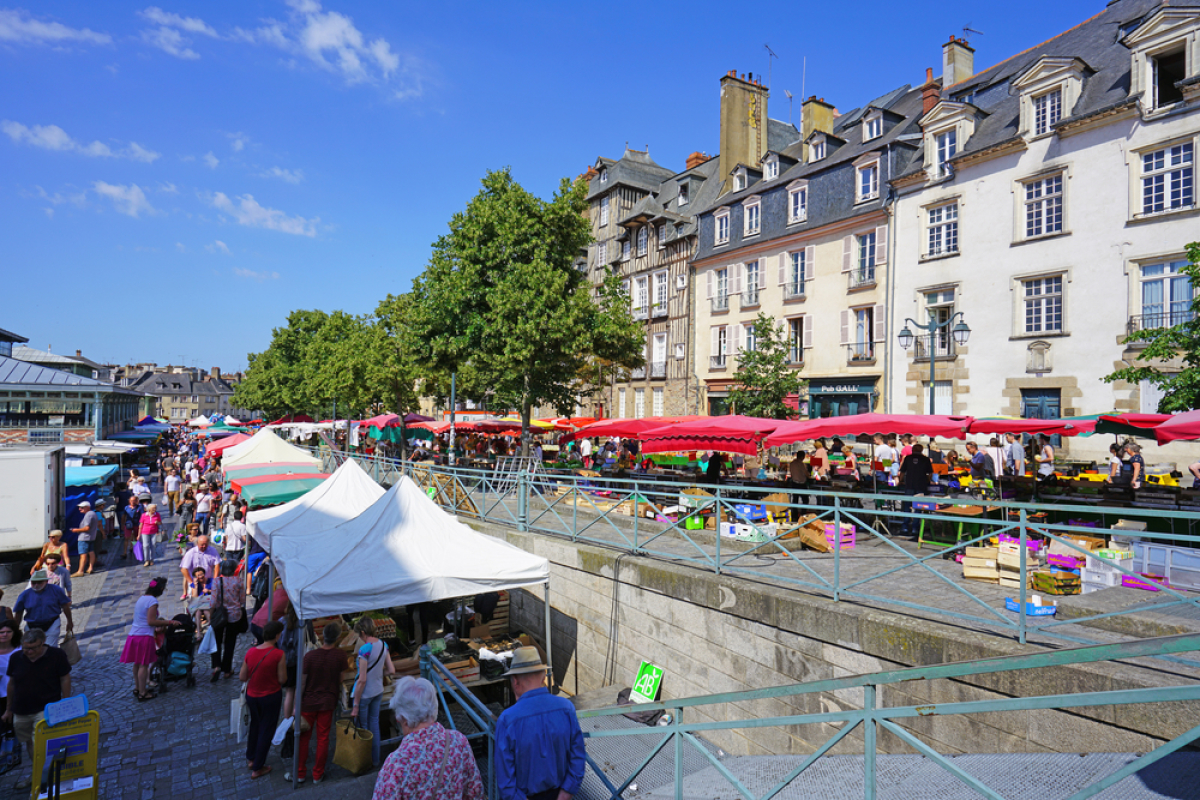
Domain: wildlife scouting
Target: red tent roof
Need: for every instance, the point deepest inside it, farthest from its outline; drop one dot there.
(239, 483)
(226, 443)
(292, 418)
(1062, 427)
(728, 434)
(855, 424)
(1179, 426)
(625, 427)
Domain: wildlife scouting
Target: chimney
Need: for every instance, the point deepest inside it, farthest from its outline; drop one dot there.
(743, 123)
(696, 159)
(79, 354)
(590, 174)
(215, 373)
(931, 92)
(815, 115)
(958, 61)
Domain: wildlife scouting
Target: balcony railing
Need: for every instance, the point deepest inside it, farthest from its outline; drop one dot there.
(659, 310)
(716, 362)
(750, 297)
(861, 277)
(1166, 319)
(641, 312)
(859, 353)
(795, 354)
(720, 302)
(637, 373)
(658, 369)
(793, 289)
(943, 347)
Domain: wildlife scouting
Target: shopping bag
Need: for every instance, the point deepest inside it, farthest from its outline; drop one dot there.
(10, 751)
(353, 751)
(166, 501)
(239, 719)
(138, 555)
(70, 648)
(281, 731)
(208, 645)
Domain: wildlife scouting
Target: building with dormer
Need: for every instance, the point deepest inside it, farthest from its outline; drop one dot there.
(1050, 202)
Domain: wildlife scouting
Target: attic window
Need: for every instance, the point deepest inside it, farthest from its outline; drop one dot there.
(872, 126)
(816, 150)
(772, 168)
(1168, 69)
(683, 194)
(604, 176)
(739, 181)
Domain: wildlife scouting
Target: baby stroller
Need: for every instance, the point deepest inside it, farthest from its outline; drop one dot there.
(177, 656)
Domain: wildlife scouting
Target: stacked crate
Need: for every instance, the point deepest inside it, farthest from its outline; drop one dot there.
(981, 564)
(1100, 571)
(1009, 559)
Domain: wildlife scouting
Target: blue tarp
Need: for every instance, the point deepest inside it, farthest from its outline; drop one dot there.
(89, 476)
(139, 435)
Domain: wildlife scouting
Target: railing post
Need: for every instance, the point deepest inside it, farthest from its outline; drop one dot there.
(1021, 620)
(869, 743)
(423, 661)
(837, 548)
(720, 513)
(575, 507)
(679, 751)
(522, 501)
(635, 517)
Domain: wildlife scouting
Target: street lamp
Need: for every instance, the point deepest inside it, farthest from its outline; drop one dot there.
(961, 333)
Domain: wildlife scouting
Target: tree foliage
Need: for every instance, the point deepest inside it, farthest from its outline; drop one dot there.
(764, 378)
(1181, 390)
(503, 301)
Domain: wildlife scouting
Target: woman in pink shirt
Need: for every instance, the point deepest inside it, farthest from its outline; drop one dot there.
(148, 528)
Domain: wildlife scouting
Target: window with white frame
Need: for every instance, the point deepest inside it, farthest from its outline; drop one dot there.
(639, 403)
(1044, 206)
(643, 237)
(795, 334)
(660, 290)
(864, 272)
(721, 289)
(602, 254)
(942, 229)
(939, 307)
(750, 290)
(661, 236)
(751, 211)
(604, 176)
(749, 338)
(625, 290)
(862, 343)
(816, 150)
(872, 126)
(621, 412)
(739, 181)
(720, 345)
(683, 194)
(1043, 304)
(1047, 110)
(625, 248)
(641, 294)
(795, 269)
(947, 148)
(1167, 69)
(1168, 179)
(867, 185)
(771, 168)
(797, 203)
(603, 211)
(658, 402)
(1167, 294)
(721, 226)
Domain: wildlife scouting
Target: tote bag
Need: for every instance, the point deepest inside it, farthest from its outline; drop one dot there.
(353, 751)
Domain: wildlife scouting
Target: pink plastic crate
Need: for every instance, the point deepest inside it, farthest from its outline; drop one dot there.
(845, 541)
(1066, 562)
(1145, 581)
(1032, 544)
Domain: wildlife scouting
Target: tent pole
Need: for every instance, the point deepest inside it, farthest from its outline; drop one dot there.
(549, 650)
(270, 588)
(299, 694)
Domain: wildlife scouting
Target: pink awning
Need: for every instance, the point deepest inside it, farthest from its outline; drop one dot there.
(728, 434)
(855, 424)
(625, 427)
(229, 441)
(382, 421)
(1060, 427)
(1179, 426)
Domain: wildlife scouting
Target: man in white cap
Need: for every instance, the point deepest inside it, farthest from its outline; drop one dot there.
(41, 605)
(539, 745)
(89, 534)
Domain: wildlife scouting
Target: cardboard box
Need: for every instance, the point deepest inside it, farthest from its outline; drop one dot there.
(981, 552)
(813, 537)
(975, 573)
(1013, 561)
(980, 563)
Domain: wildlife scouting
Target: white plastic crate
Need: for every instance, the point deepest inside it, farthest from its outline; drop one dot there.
(1087, 587)
(1097, 564)
(1107, 577)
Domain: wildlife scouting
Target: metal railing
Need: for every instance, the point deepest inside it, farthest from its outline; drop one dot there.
(658, 369)
(795, 354)
(861, 351)
(720, 302)
(749, 297)
(1167, 319)
(861, 277)
(716, 362)
(943, 346)
(451, 690)
(637, 373)
(873, 718)
(684, 528)
(793, 289)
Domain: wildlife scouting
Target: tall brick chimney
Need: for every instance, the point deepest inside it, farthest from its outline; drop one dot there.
(696, 159)
(958, 61)
(931, 92)
(215, 373)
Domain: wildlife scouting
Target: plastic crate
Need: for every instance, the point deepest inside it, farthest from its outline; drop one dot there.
(1146, 582)
(694, 523)
(758, 533)
(1096, 563)
(845, 541)
(751, 511)
(1103, 578)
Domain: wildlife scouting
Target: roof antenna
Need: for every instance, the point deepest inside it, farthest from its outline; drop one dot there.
(968, 30)
(789, 97)
(770, 55)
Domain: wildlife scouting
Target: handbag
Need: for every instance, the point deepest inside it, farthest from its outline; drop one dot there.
(208, 645)
(138, 555)
(10, 751)
(70, 648)
(218, 617)
(353, 750)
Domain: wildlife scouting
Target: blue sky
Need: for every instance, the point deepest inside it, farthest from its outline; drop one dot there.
(174, 179)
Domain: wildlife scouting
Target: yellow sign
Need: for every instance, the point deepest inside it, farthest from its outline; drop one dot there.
(80, 738)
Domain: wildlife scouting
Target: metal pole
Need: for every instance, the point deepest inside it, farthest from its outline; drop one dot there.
(869, 744)
(296, 705)
(1022, 621)
(453, 405)
(933, 328)
(549, 649)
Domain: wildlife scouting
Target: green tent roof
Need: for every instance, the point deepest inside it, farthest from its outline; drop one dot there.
(269, 494)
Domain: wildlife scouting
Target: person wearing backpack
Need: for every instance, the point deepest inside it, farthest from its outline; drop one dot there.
(374, 662)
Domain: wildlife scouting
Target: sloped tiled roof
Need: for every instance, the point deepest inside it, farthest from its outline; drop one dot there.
(36, 356)
(16, 372)
(634, 168)
(167, 383)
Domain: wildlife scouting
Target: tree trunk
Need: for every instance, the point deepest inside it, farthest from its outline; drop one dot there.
(526, 413)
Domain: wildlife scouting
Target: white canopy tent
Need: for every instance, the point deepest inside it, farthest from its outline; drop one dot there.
(265, 447)
(343, 496)
(199, 422)
(232, 420)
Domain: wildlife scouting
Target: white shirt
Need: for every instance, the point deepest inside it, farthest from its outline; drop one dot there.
(585, 447)
(235, 535)
(188, 466)
(194, 475)
(886, 452)
(172, 483)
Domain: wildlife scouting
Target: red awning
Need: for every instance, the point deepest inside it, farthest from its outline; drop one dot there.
(1179, 426)
(229, 441)
(624, 427)
(239, 483)
(292, 418)
(856, 424)
(382, 421)
(728, 434)
(1060, 427)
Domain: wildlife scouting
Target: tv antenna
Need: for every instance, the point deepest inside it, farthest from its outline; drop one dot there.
(789, 97)
(968, 30)
(770, 55)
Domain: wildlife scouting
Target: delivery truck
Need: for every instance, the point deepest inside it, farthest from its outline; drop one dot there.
(31, 499)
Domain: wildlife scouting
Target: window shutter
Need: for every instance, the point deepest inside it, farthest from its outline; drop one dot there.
(810, 261)
(711, 279)
(736, 278)
(847, 253)
(846, 327)
(881, 244)
(716, 341)
(880, 324)
(783, 261)
(737, 338)
(808, 331)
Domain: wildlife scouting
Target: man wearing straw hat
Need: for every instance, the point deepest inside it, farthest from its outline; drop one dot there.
(539, 745)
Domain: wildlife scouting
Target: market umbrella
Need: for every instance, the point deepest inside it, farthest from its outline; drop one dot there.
(625, 427)
(947, 427)
(292, 418)
(410, 418)
(231, 420)
(728, 434)
(1060, 427)
(1179, 426)
(382, 421)
(241, 484)
(1142, 425)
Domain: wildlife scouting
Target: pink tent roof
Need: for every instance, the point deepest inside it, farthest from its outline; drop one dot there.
(382, 421)
(855, 424)
(239, 483)
(224, 444)
(1061, 427)
(1179, 426)
(292, 418)
(728, 434)
(625, 427)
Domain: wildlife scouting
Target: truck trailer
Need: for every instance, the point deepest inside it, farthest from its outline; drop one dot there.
(31, 499)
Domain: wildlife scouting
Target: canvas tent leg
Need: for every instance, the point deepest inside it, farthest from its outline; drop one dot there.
(297, 704)
(549, 649)
(270, 588)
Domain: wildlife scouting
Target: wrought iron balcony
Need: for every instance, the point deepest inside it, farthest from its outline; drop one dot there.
(716, 362)
(720, 302)
(1166, 319)
(795, 355)
(793, 289)
(658, 369)
(862, 277)
(943, 346)
(860, 353)
(750, 297)
(637, 373)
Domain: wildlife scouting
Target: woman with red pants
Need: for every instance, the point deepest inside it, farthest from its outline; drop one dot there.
(323, 670)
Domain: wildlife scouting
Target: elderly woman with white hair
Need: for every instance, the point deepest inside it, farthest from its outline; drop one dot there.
(431, 763)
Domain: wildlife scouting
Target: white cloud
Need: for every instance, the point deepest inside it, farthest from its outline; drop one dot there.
(238, 141)
(129, 200)
(218, 247)
(168, 188)
(77, 199)
(52, 137)
(289, 175)
(190, 24)
(49, 212)
(211, 160)
(248, 211)
(255, 276)
(179, 246)
(170, 41)
(17, 25)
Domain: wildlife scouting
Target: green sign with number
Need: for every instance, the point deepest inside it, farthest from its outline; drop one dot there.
(645, 687)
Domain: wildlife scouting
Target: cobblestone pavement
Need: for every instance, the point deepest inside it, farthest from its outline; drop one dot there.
(177, 745)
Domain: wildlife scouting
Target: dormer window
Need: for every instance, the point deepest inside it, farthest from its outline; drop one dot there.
(1167, 70)
(721, 226)
(683, 194)
(739, 181)
(797, 201)
(816, 150)
(604, 176)
(771, 168)
(1164, 54)
(1048, 90)
(643, 237)
(872, 126)
(1047, 110)
(947, 148)
(751, 216)
(866, 183)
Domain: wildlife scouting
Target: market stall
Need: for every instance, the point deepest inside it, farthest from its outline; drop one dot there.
(265, 447)
(345, 495)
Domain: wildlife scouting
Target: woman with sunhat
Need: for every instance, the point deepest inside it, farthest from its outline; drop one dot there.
(55, 545)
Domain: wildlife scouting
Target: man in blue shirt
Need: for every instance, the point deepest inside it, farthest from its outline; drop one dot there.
(539, 745)
(41, 605)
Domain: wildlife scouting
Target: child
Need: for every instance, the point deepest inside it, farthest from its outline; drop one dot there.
(199, 587)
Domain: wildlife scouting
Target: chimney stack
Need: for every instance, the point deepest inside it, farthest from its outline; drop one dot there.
(931, 92)
(743, 123)
(215, 372)
(815, 115)
(958, 61)
(79, 354)
(695, 159)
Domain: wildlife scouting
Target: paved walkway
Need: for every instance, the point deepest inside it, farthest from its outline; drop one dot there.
(177, 745)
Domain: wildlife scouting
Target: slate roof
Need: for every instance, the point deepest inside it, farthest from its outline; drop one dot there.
(14, 372)
(780, 134)
(1095, 41)
(634, 168)
(36, 356)
(163, 383)
(667, 195)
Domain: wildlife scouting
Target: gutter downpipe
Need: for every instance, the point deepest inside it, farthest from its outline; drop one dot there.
(889, 210)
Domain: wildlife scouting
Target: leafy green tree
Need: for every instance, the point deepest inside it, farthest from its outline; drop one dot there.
(1181, 390)
(277, 379)
(764, 378)
(502, 297)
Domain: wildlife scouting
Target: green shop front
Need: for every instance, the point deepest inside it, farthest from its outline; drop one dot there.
(839, 397)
